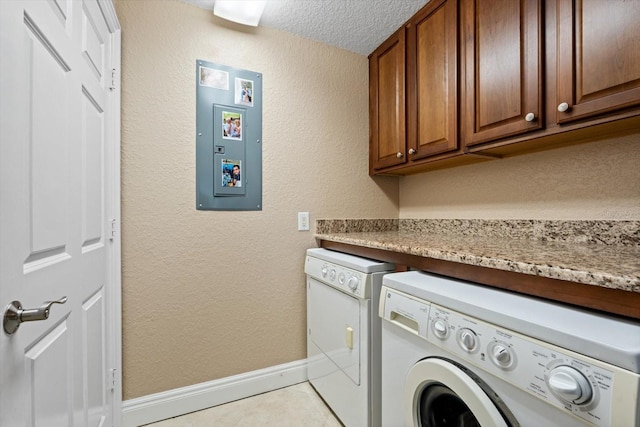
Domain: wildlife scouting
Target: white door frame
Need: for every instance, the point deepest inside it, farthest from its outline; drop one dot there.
(114, 270)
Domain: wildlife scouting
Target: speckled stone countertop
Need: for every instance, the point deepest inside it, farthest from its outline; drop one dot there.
(599, 253)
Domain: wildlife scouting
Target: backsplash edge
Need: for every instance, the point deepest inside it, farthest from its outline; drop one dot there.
(603, 232)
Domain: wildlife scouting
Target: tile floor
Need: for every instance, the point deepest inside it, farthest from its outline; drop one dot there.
(295, 406)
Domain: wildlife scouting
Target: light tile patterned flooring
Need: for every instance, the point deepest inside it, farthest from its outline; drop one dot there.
(295, 406)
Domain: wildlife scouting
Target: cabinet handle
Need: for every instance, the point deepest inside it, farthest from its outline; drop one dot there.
(563, 107)
(399, 154)
(412, 151)
(530, 117)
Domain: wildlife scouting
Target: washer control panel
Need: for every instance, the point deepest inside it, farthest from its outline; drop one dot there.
(347, 280)
(570, 381)
(565, 379)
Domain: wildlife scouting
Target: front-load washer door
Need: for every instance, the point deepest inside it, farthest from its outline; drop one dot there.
(439, 392)
(333, 320)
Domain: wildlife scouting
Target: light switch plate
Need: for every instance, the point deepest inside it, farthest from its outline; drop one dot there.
(303, 221)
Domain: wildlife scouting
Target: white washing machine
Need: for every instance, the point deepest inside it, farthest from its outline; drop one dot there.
(461, 354)
(343, 333)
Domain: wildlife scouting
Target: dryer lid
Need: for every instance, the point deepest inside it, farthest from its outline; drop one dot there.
(363, 265)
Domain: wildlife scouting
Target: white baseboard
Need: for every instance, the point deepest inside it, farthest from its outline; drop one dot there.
(180, 401)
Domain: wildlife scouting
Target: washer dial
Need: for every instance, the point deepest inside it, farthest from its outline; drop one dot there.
(570, 385)
(468, 340)
(440, 328)
(501, 355)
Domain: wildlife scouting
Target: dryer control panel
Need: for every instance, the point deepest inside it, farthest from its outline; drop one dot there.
(346, 279)
(570, 381)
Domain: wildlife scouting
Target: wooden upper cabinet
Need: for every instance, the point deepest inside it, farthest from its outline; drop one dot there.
(432, 66)
(501, 43)
(598, 57)
(387, 103)
(486, 78)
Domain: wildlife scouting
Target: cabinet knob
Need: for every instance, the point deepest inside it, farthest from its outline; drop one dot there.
(563, 107)
(412, 151)
(399, 154)
(530, 117)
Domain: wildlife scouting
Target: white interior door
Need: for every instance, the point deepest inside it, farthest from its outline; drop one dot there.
(56, 209)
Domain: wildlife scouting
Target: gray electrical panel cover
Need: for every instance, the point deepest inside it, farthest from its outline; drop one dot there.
(228, 138)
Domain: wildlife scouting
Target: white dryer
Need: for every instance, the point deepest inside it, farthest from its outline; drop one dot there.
(461, 354)
(343, 340)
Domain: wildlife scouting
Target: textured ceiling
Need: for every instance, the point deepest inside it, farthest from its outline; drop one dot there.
(356, 25)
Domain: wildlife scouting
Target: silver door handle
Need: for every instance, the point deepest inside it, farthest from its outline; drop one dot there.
(14, 314)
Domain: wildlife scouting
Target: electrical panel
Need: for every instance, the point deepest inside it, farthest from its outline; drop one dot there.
(228, 138)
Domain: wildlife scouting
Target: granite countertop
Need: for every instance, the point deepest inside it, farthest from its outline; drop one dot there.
(598, 253)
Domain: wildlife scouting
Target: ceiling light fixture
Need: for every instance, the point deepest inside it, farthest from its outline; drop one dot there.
(246, 12)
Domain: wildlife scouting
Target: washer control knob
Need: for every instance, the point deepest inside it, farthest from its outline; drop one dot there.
(501, 355)
(440, 328)
(468, 340)
(341, 278)
(353, 283)
(324, 270)
(570, 384)
(332, 274)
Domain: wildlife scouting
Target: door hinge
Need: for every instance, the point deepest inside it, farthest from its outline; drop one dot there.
(112, 380)
(114, 230)
(113, 79)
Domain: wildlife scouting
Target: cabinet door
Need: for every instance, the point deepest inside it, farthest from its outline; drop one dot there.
(598, 57)
(432, 67)
(501, 60)
(387, 103)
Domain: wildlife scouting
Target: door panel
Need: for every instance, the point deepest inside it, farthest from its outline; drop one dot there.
(49, 384)
(93, 312)
(502, 68)
(387, 103)
(432, 68)
(48, 82)
(53, 219)
(92, 171)
(60, 7)
(92, 43)
(597, 76)
(499, 63)
(331, 312)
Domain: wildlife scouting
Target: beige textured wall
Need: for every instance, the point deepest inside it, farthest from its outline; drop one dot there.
(598, 180)
(212, 294)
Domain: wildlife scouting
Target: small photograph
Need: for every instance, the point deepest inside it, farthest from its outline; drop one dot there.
(231, 173)
(244, 92)
(232, 125)
(216, 79)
